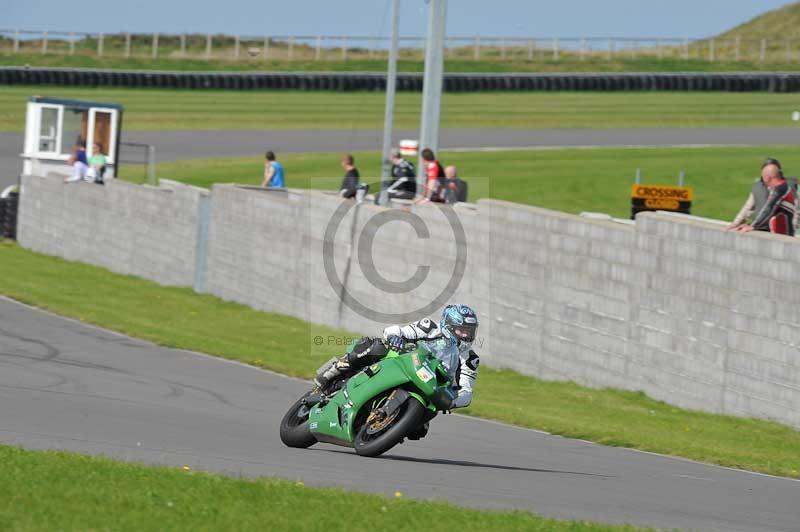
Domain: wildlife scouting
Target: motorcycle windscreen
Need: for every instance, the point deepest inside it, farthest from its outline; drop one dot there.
(447, 353)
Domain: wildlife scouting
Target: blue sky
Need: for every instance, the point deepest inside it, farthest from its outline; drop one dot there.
(522, 18)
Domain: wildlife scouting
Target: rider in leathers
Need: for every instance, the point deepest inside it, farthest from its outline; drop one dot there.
(459, 323)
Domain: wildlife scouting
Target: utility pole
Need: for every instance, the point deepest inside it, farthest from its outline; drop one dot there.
(388, 117)
(432, 82)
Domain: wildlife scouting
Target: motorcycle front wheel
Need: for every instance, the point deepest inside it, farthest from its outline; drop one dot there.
(294, 427)
(376, 436)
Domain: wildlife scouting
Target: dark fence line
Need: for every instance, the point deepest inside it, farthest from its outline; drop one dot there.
(359, 81)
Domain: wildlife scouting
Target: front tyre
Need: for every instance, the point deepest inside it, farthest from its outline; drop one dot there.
(374, 439)
(294, 427)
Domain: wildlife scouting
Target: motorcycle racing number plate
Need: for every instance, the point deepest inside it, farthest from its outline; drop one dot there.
(424, 374)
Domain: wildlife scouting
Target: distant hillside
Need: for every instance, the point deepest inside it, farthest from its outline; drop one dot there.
(779, 23)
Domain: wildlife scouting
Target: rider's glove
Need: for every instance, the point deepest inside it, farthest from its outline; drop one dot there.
(395, 342)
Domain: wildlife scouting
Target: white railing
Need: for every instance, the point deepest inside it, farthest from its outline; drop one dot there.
(313, 48)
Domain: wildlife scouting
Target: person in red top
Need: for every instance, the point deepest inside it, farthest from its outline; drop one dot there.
(434, 173)
(777, 214)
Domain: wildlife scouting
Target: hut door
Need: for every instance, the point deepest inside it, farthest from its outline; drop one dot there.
(103, 124)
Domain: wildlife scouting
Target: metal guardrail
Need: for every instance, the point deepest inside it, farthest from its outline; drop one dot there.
(360, 81)
(148, 159)
(343, 47)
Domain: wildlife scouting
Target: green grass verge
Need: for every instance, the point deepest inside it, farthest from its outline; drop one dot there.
(65, 491)
(162, 109)
(543, 62)
(180, 318)
(569, 180)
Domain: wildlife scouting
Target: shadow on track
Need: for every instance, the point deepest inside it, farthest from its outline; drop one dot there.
(467, 463)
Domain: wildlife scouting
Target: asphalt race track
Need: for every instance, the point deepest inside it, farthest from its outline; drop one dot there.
(176, 145)
(70, 386)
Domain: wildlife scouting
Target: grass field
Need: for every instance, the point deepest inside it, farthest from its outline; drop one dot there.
(516, 62)
(567, 180)
(65, 491)
(180, 318)
(161, 109)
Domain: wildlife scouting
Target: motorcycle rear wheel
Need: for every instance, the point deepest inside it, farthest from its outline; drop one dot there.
(408, 419)
(294, 427)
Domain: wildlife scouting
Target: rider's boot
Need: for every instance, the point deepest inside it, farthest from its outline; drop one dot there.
(364, 352)
(332, 369)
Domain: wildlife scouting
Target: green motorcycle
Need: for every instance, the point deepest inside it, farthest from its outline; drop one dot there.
(380, 406)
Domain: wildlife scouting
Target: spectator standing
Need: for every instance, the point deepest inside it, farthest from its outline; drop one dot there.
(351, 177)
(273, 172)
(434, 174)
(78, 161)
(778, 212)
(97, 164)
(404, 178)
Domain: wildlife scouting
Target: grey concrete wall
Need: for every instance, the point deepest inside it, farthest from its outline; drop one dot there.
(266, 251)
(673, 306)
(132, 229)
(681, 309)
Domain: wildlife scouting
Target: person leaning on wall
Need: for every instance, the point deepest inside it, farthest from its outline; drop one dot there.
(434, 176)
(350, 181)
(273, 172)
(454, 189)
(403, 184)
(778, 212)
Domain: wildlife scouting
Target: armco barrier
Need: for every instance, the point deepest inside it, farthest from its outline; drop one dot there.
(679, 308)
(357, 81)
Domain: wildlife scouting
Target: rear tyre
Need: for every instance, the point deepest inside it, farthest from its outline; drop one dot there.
(369, 442)
(294, 427)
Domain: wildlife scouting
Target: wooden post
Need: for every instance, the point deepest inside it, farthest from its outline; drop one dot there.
(183, 45)
(155, 46)
(686, 49)
(477, 52)
(344, 48)
(99, 45)
(71, 43)
(763, 50)
(208, 46)
(318, 51)
(236, 47)
(711, 51)
(44, 42)
(530, 49)
(266, 48)
(291, 47)
(16, 41)
(502, 49)
(127, 45)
